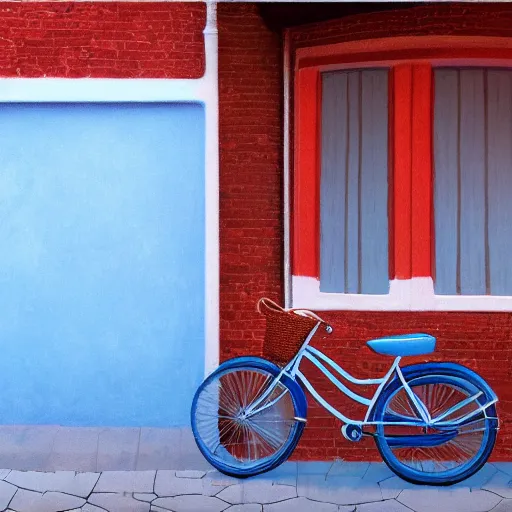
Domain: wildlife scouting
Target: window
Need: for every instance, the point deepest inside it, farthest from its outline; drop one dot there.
(354, 182)
(473, 181)
(402, 176)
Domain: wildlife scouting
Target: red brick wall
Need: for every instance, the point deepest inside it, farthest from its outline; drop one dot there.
(438, 19)
(252, 213)
(117, 40)
(480, 341)
(250, 96)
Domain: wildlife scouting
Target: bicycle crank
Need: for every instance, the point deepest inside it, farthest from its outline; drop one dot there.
(353, 433)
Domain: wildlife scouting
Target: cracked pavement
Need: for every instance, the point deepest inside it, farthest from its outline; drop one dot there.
(294, 486)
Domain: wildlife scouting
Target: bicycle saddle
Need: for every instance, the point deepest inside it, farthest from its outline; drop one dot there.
(404, 345)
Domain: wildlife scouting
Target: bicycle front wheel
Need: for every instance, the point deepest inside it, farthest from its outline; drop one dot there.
(447, 452)
(234, 440)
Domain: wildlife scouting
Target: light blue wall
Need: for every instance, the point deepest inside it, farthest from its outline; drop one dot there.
(101, 263)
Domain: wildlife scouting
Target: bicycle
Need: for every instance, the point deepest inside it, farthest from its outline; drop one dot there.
(433, 423)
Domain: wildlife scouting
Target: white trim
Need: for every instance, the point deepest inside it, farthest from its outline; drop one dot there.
(473, 303)
(416, 294)
(307, 294)
(202, 90)
(286, 169)
(212, 254)
(108, 90)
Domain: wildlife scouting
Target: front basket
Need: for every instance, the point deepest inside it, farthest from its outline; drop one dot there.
(285, 333)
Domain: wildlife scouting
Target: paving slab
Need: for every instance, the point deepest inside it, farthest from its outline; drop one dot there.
(126, 481)
(69, 482)
(503, 506)
(159, 449)
(247, 507)
(218, 478)
(118, 502)
(190, 456)
(7, 491)
(191, 504)
(299, 504)
(30, 501)
(314, 468)
(209, 489)
(74, 448)
(456, 500)
(383, 506)
(26, 447)
(500, 484)
(378, 472)
(168, 484)
(505, 467)
(92, 508)
(190, 474)
(117, 449)
(479, 479)
(353, 469)
(145, 496)
(214, 482)
(257, 491)
(393, 486)
(285, 474)
(340, 490)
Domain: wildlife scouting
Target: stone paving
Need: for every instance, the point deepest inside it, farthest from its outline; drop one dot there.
(293, 487)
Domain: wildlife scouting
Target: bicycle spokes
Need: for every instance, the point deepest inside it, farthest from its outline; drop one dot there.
(428, 447)
(229, 432)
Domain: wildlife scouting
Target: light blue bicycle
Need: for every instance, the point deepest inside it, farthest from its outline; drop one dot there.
(433, 423)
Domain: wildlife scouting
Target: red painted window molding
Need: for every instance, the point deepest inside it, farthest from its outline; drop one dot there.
(410, 60)
(412, 169)
(307, 173)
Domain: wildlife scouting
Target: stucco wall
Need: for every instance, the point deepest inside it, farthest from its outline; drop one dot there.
(103, 219)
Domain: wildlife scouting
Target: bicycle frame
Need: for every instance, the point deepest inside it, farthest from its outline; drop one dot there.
(316, 357)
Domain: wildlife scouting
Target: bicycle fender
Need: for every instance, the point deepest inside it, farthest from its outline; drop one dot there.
(454, 369)
(263, 364)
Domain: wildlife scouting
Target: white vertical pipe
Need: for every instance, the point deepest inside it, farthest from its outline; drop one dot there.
(286, 169)
(211, 101)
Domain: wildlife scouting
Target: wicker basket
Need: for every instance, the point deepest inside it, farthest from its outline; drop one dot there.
(285, 333)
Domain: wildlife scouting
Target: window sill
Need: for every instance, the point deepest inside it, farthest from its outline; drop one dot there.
(416, 294)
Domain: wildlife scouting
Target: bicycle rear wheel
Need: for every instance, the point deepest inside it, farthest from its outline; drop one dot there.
(441, 454)
(240, 445)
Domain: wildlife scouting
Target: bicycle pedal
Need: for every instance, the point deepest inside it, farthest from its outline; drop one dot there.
(352, 433)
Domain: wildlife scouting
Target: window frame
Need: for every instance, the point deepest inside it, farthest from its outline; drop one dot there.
(410, 61)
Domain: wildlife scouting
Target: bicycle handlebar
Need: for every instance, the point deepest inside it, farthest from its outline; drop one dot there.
(306, 312)
(302, 312)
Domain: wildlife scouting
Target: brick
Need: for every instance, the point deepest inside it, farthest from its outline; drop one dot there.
(98, 40)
